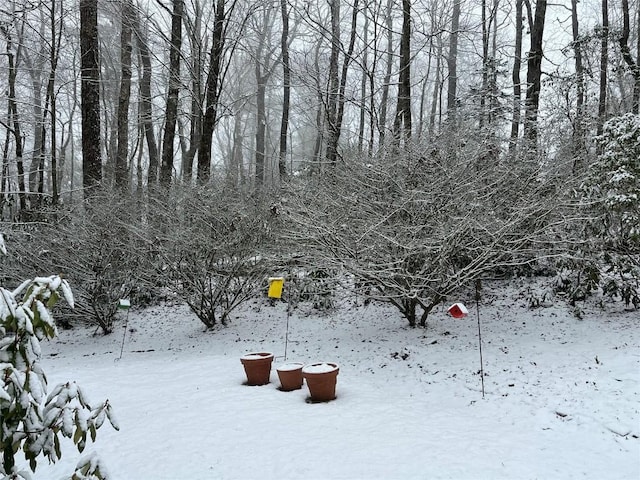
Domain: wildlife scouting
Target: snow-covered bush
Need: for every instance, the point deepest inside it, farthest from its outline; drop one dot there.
(32, 420)
(413, 230)
(214, 248)
(106, 252)
(611, 194)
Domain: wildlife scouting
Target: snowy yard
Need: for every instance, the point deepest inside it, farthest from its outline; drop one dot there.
(562, 395)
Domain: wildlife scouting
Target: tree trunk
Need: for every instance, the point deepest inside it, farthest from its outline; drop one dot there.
(35, 70)
(382, 122)
(332, 147)
(334, 83)
(604, 66)
(54, 52)
(534, 74)
(195, 39)
(578, 129)
(286, 91)
(402, 122)
(146, 106)
(628, 58)
(261, 120)
(90, 94)
(515, 77)
(363, 84)
(14, 119)
(320, 112)
(122, 155)
(171, 115)
(437, 90)
(423, 90)
(214, 82)
(452, 64)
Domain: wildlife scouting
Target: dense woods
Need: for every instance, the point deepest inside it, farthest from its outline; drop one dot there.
(404, 148)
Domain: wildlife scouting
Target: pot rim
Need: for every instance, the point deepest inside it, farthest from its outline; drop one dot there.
(290, 366)
(257, 356)
(308, 369)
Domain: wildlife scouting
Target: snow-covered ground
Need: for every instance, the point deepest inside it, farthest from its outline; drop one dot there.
(562, 395)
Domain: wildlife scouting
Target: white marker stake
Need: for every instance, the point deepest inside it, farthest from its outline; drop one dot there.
(124, 304)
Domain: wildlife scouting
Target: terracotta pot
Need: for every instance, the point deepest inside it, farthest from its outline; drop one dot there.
(257, 366)
(321, 380)
(290, 375)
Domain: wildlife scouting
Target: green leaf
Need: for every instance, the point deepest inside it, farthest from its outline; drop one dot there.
(53, 299)
(56, 446)
(77, 435)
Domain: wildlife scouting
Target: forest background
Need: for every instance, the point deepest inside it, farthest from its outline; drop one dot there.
(401, 149)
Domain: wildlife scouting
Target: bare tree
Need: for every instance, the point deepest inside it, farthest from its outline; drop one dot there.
(578, 129)
(215, 81)
(90, 93)
(265, 62)
(194, 24)
(604, 65)
(534, 74)
(382, 121)
(14, 121)
(632, 63)
(515, 77)
(337, 86)
(452, 63)
(402, 122)
(146, 104)
(126, 49)
(286, 90)
(171, 114)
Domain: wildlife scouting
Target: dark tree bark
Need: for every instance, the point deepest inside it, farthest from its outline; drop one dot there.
(171, 115)
(146, 108)
(452, 63)
(515, 78)
(214, 81)
(261, 120)
(194, 25)
(363, 83)
(382, 122)
(334, 82)
(122, 155)
(55, 37)
(437, 89)
(335, 123)
(402, 122)
(90, 94)
(35, 69)
(628, 58)
(14, 119)
(604, 66)
(534, 74)
(286, 91)
(578, 129)
(265, 64)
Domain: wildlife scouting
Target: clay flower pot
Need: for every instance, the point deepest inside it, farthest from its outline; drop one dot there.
(290, 375)
(257, 366)
(321, 380)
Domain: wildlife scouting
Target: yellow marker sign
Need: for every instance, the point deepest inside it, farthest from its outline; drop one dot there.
(275, 287)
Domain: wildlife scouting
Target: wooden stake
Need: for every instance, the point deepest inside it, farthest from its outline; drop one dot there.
(479, 334)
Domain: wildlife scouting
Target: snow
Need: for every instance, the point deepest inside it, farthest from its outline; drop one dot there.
(562, 395)
(290, 367)
(315, 368)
